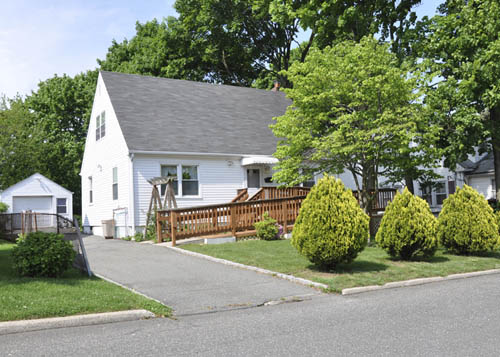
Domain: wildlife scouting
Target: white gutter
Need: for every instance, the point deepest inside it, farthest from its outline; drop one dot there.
(145, 152)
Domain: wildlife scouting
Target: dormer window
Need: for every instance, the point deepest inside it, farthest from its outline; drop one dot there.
(100, 126)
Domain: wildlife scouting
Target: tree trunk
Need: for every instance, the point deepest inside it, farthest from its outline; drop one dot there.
(495, 143)
(409, 184)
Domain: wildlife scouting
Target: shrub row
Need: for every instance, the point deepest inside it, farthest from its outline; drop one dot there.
(331, 227)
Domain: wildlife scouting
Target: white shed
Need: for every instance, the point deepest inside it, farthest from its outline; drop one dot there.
(38, 194)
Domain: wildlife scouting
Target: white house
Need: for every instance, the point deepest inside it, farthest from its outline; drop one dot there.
(38, 194)
(214, 138)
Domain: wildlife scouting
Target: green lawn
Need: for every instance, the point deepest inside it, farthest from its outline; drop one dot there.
(74, 293)
(372, 266)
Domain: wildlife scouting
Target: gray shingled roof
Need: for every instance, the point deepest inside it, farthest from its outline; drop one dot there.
(160, 114)
(484, 165)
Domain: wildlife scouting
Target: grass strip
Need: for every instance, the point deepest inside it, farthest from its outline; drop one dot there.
(72, 294)
(373, 266)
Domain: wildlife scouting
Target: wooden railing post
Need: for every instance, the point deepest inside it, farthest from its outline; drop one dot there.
(233, 220)
(173, 226)
(285, 214)
(159, 236)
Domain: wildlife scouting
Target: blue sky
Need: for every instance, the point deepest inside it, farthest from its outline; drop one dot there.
(41, 38)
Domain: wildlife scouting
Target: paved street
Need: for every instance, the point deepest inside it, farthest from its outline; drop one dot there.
(452, 318)
(188, 284)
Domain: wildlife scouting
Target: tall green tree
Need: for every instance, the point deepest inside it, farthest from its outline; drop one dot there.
(249, 42)
(159, 49)
(353, 108)
(462, 51)
(60, 111)
(20, 145)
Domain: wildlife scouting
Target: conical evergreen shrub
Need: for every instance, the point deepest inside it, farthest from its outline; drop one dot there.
(467, 224)
(408, 228)
(331, 227)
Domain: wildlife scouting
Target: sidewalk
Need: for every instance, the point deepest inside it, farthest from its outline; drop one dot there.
(187, 284)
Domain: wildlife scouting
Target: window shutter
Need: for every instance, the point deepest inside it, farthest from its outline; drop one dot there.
(451, 187)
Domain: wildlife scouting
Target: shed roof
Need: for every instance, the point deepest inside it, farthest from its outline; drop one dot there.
(161, 114)
(35, 185)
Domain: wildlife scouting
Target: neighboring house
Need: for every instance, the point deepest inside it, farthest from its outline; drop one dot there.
(480, 175)
(38, 194)
(477, 172)
(215, 138)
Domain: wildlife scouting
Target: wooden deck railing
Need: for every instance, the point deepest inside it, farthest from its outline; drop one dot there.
(235, 218)
(268, 193)
(385, 195)
(242, 195)
(238, 218)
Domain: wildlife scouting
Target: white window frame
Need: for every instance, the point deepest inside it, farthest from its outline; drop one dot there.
(189, 180)
(441, 193)
(179, 165)
(91, 191)
(433, 194)
(163, 187)
(115, 183)
(100, 126)
(65, 205)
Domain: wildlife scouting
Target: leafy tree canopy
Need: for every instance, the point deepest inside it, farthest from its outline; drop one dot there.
(354, 108)
(247, 42)
(462, 55)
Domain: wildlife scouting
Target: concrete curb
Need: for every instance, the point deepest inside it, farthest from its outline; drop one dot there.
(291, 278)
(420, 281)
(11, 327)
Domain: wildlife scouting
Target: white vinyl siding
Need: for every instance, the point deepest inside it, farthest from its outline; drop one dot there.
(98, 162)
(483, 184)
(218, 181)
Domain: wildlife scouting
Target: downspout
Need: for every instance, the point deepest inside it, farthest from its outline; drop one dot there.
(132, 194)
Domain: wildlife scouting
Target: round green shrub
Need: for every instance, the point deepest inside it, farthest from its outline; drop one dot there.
(3, 207)
(467, 224)
(331, 227)
(408, 228)
(267, 229)
(41, 254)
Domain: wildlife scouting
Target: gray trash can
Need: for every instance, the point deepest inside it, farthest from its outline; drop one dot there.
(108, 228)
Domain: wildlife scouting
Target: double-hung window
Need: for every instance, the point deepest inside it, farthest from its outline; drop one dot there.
(62, 206)
(185, 181)
(189, 180)
(426, 193)
(91, 192)
(100, 126)
(115, 183)
(440, 192)
(170, 171)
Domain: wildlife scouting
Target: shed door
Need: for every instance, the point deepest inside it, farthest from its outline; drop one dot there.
(42, 204)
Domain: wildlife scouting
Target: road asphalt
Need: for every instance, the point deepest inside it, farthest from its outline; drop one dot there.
(189, 285)
(450, 318)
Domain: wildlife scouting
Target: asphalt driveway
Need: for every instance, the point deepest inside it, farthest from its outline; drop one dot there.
(189, 285)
